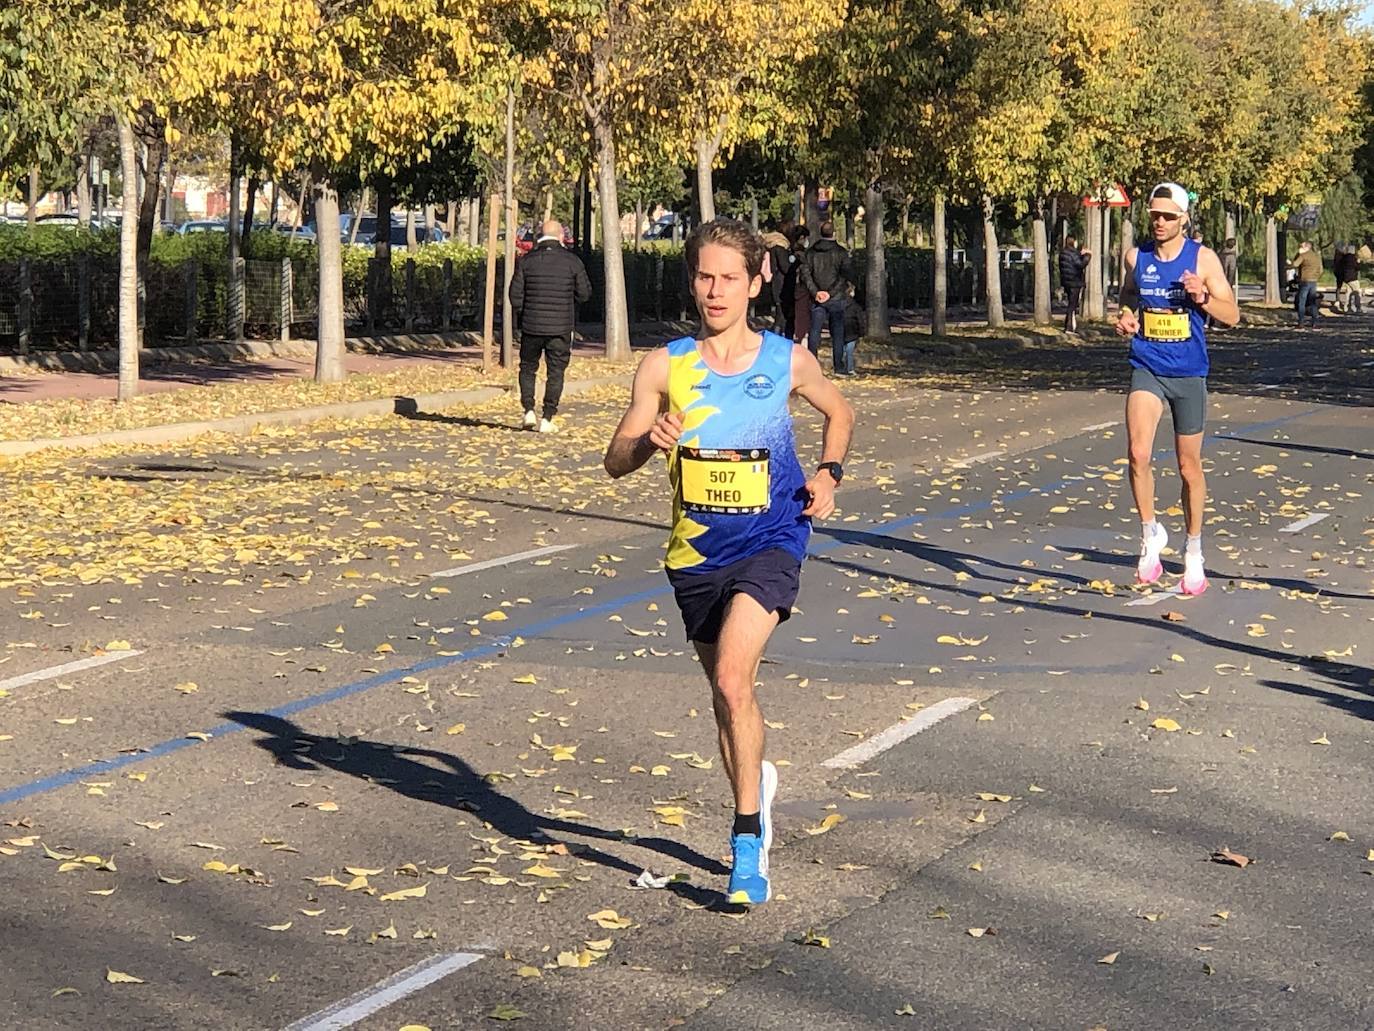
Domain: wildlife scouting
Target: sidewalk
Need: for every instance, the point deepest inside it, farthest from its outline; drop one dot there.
(29, 387)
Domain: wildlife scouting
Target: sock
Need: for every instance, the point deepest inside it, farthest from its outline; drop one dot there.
(1195, 544)
(748, 823)
(1148, 530)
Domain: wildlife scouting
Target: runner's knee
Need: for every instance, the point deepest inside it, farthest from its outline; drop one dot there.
(734, 689)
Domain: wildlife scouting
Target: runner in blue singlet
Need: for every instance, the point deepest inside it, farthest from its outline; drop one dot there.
(1172, 285)
(717, 406)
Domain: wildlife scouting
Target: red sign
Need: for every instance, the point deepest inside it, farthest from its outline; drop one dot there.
(1116, 198)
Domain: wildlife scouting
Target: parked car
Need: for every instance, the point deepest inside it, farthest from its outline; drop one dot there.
(1017, 256)
(304, 233)
(67, 218)
(204, 225)
(528, 235)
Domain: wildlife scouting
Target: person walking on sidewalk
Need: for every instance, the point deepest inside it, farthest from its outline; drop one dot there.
(1346, 266)
(1073, 264)
(1308, 264)
(717, 406)
(780, 259)
(1176, 284)
(549, 283)
(827, 277)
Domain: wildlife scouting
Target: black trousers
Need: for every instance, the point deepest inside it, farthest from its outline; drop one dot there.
(1075, 305)
(556, 352)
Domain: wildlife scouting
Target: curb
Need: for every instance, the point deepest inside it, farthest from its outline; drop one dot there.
(242, 424)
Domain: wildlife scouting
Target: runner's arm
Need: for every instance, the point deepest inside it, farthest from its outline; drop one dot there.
(1127, 321)
(810, 383)
(645, 426)
(1220, 299)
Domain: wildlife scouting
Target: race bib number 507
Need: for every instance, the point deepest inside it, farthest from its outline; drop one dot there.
(724, 481)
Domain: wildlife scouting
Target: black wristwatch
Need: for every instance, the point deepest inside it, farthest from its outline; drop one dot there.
(834, 468)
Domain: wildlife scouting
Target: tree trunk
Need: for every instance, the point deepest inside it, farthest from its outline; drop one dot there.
(1124, 248)
(613, 257)
(357, 216)
(475, 221)
(381, 251)
(811, 210)
(879, 325)
(639, 222)
(169, 208)
(1272, 293)
(851, 213)
(940, 289)
(273, 205)
(512, 205)
(235, 326)
(706, 195)
(329, 351)
(128, 263)
(1041, 243)
(586, 236)
(451, 218)
(32, 213)
(976, 255)
(992, 259)
(412, 239)
(548, 204)
(1093, 305)
(300, 206)
(577, 217)
(154, 154)
(754, 212)
(83, 190)
(249, 208)
(906, 220)
(430, 221)
(489, 300)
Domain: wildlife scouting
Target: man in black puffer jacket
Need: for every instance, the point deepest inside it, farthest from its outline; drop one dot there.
(1072, 265)
(549, 282)
(827, 276)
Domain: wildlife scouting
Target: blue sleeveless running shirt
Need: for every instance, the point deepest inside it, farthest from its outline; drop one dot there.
(737, 483)
(1171, 340)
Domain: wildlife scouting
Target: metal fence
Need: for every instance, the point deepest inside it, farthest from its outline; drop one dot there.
(71, 304)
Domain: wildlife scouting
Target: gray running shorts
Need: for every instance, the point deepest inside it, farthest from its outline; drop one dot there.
(1186, 397)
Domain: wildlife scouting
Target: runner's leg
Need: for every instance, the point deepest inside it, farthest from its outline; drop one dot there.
(1143, 412)
(1189, 450)
(732, 664)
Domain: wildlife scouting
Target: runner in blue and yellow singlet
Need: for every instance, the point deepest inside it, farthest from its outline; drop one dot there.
(1172, 284)
(717, 405)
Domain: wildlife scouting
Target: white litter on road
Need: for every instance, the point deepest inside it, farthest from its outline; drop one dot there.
(1304, 523)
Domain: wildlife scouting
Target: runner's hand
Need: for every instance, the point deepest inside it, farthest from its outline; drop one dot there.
(821, 487)
(666, 430)
(1127, 323)
(1196, 287)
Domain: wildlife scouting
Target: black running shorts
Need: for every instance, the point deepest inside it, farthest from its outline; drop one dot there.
(771, 578)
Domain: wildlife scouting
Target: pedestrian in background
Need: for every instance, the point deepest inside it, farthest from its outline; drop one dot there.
(1346, 266)
(1073, 264)
(827, 277)
(1308, 265)
(778, 262)
(796, 303)
(548, 285)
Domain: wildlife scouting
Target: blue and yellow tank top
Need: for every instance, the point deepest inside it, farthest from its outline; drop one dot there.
(1172, 338)
(737, 484)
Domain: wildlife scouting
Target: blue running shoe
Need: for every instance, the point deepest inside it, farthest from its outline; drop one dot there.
(748, 885)
(749, 881)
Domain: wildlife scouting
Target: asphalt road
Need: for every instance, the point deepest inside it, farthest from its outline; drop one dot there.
(309, 761)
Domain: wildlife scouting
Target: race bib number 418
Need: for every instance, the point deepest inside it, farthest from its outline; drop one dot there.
(724, 481)
(1168, 326)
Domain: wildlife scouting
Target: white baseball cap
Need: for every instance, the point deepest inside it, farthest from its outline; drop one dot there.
(1172, 192)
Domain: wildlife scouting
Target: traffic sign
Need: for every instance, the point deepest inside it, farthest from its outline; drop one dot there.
(1116, 198)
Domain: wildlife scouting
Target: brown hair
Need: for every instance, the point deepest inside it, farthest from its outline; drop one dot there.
(727, 232)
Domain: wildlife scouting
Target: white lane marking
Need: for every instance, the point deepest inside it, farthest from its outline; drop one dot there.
(897, 733)
(1100, 426)
(39, 675)
(363, 1004)
(492, 563)
(986, 456)
(1174, 593)
(1304, 523)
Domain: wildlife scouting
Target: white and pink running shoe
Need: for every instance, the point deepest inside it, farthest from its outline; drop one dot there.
(1149, 568)
(1194, 578)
